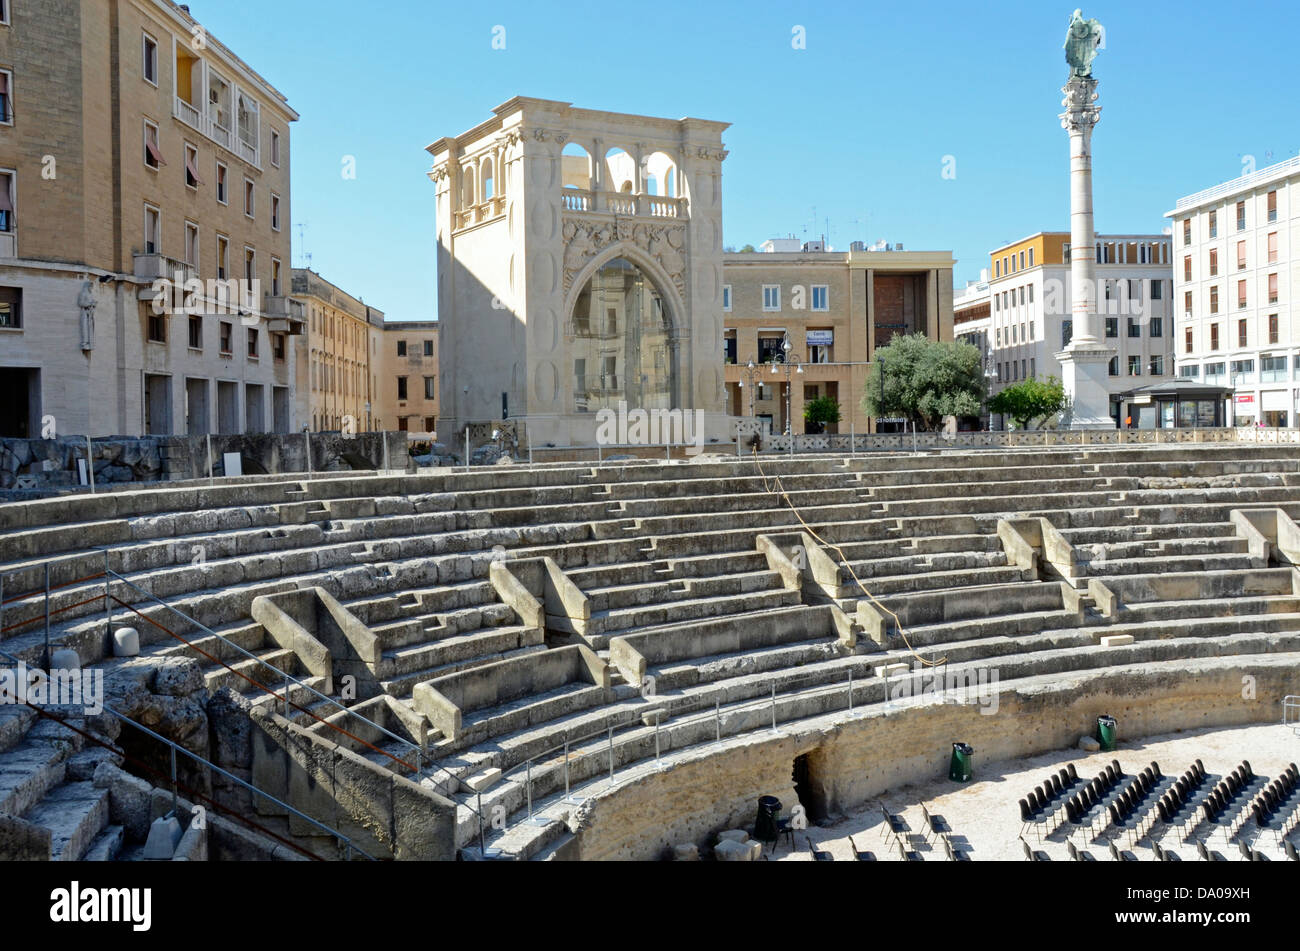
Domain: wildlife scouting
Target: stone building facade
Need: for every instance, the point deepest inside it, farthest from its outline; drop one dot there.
(137, 149)
(336, 373)
(838, 308)
(579, 268)
(408, 377)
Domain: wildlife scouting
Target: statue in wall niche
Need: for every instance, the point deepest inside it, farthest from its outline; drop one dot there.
(86, 302)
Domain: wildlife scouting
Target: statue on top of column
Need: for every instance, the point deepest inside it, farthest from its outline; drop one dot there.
(1082, 41)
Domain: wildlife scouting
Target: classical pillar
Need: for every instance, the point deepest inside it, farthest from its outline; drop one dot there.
(1084, 361)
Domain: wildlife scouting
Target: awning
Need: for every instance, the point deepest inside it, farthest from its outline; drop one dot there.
(194, 173)
(6, 202)
(154, 154)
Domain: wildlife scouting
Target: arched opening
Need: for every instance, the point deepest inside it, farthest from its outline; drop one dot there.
(661, 170)
(489, 180)
(620, 171)
(621, 343)
(467, 186)
(575, 167)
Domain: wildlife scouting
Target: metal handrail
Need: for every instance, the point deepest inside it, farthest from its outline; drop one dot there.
(176, 747)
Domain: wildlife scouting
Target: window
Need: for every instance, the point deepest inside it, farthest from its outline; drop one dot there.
(1157, 366)
(6, 97)
(1067, 333)
(1135, 290)
(192, 179)
(1241, 255)
(1187, 232)
(1189, 372)
(1022, 260)
(278, 347)
(1214, 371)
(1031, 289)
(1214, 262)
(1241, 216)
(227, 337)
(428, 348)
(250, 265)
(250, 199)
(157, 324)
(7, 198)
(1031, 257)
(401, 348)
(1241, 333)
(223, 192)
(1272, 369)
(1272, 328)
(1135, 366)
(997, 336)
(152, 154)
(275, 212)
(1243, 371)
(196, 332)
(1187, 267)
(1134, 327)
(1214, 336)
(275, 277)
(1157, 325)
(1187, 340)
(1112, 368)
(1272, 247)
(430, 388)
(1157, 290)
(11, 308)
(401, 387)
(152, 230)
(726, 297)
(223, 257)
(1187, 303)
(275, 148)
(820, 297)
(1214, 299)
(771, 297)
(149, 64)
(1241, 295)
(192, 244)
(1112, 326)
(997, 268)
(1272, 288)
(252, 343)
(1214, 224)
(4, 12)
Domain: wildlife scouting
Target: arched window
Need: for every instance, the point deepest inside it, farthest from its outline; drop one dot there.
(489, 180)
(620, 171)
(575, 167)
(621, 343)
(467, 186)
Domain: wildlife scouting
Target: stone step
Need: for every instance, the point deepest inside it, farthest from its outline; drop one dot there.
(107, 845)
(609, 623)
(75, 813)
(262, 670)
(401, 686)
(410, 658)
(29, 770)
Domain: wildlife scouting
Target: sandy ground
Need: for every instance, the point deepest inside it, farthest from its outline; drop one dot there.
(985, 816)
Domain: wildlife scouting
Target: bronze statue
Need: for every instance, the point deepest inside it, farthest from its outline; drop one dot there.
(1082, 41)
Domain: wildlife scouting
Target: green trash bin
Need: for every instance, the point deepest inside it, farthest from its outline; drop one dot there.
(959, 771)
(1106, 733)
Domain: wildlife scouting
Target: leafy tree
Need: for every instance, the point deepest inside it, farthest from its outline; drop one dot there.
(1030, 401)
(925, 380)
(748, 249)
(820, 411)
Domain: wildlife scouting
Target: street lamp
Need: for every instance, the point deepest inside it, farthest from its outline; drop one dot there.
(750, 372)
(788, 357)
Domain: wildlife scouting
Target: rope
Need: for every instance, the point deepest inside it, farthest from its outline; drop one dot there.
(776, 487)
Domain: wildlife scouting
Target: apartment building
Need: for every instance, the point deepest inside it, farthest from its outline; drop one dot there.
(337, 368)
(1235, 265)
(1029, 317)
(144, 226)
(408, 378)
(837, 308)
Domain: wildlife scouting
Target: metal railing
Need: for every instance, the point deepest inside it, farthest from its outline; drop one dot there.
(1291, 712)
(345, 842)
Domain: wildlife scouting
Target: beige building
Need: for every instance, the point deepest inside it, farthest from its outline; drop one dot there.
(144, 227)
(408, 377)
(579, 268)
(837, 307)
(336, 371)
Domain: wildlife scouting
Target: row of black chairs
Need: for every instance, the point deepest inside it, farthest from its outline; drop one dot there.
(1088, 806)
(1223, 805)
(1275, 801)
(1045, 801)
(1129, 810)
(1177, 807)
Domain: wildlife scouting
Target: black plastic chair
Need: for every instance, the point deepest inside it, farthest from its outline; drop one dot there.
(861, 854)
(1155, 768)
(906, 854)
(819, 855)
(1033, 856)
(1207, 855)
(938, 824)
(954, 854)
(1291, 852)
(897, 824)
(1121, 856)
(1079, 856)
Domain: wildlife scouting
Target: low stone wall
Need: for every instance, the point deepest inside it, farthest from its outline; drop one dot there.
(856, 758)
(30, 468)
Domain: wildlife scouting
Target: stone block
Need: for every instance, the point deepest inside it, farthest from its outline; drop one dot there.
(126, 642)
(1089, 744)
(688, 852)
(164, 835)
(1117, 640)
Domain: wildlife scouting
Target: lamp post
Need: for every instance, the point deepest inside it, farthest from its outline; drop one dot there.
(750, 372)
(788, 358)
(990, 373)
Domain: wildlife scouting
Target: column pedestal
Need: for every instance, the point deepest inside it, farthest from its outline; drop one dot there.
(1085, 374)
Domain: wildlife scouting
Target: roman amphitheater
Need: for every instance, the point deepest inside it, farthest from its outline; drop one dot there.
(720, 657)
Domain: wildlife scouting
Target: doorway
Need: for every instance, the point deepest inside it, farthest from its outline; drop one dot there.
(808, 788)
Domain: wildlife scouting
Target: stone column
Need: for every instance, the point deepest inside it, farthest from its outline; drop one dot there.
(1084, 362)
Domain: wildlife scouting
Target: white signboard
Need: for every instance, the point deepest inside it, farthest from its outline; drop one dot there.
(821, 338)
(233, 463)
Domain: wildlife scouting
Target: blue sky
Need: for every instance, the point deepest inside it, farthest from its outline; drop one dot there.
(854, 128)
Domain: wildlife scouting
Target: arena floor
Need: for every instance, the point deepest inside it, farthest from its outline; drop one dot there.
(985, 818)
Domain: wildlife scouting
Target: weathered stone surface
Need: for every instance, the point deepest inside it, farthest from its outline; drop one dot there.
(729, 850)
(1089, 744)
(177, 677)
(733, 835)
(689, 852)
(164, 836)
(231, 729)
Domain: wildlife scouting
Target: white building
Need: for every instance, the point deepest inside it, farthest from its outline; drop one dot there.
(1029, 319)
(1232, 276)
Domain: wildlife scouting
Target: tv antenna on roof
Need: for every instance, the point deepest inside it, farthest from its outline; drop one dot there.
(303, 254)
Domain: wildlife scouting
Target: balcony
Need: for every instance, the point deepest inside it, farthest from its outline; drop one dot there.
(484, 211)
(623, 203)
(213, 128)
(284, 315)
(152, 267)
